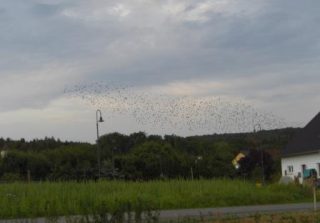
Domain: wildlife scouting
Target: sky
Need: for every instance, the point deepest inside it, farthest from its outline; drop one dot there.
(262, 52)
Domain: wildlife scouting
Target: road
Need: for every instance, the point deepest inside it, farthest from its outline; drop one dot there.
(236, 211)
(206, 212)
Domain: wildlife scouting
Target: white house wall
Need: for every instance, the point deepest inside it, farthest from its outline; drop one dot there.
(311, 161)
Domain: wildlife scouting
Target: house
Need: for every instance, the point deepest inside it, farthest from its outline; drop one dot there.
(3, 154)
(236, 160)
(301, 157)
(4, 151)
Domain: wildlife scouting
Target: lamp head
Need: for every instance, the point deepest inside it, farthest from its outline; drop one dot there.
(101, 119)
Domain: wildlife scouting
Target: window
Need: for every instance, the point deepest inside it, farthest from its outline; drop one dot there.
(290, 169)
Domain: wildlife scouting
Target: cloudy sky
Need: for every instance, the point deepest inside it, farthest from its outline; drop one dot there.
(265, 52)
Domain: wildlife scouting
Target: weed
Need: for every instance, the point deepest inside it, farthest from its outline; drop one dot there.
(22, 200)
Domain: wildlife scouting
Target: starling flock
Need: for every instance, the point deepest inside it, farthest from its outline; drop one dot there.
(206, 114)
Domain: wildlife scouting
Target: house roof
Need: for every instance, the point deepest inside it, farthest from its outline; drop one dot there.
(307, 139)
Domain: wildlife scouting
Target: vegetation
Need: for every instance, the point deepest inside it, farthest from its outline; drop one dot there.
(147, 172)
(73, 198)
(142, 157)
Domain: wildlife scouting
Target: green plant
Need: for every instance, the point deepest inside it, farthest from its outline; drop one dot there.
(23, 200)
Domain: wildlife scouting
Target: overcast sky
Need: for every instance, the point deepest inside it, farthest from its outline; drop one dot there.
(265, 52)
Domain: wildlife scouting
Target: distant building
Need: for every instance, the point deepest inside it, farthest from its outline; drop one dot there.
(236, 160)
(4, 151)
(301, 157)
(3, 154)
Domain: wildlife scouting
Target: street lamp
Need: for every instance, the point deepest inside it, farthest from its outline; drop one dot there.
(196, 166)
(160, 163)
(99, 119)
(258, 128)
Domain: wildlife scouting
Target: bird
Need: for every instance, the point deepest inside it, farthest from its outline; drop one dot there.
(208, 114)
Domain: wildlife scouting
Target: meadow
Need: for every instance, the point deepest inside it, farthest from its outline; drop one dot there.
(43, 199)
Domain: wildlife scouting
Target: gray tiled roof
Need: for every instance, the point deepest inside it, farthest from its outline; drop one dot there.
(307, 140)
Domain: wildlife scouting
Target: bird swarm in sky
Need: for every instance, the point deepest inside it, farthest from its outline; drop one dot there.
(209, 114)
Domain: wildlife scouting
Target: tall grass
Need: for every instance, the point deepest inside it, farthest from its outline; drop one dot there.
(72, 198)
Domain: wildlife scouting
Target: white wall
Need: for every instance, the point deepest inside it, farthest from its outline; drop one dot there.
(311, 161)
(3, 154)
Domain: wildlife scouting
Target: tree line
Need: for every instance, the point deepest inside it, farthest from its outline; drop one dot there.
(139, 156)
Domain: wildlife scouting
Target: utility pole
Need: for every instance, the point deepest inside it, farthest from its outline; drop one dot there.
(261, 151)
(99, 119)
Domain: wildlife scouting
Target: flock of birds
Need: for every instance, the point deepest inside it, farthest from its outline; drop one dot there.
(177, 113)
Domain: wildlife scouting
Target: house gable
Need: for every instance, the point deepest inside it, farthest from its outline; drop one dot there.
(306, 141)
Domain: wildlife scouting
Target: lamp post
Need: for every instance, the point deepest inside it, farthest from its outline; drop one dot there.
(199, 158)
(160, 165)
(255, 127)
(99, 119)
(113, 165)
(196, 167)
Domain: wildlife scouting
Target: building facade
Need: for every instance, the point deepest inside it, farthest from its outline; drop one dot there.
(302, 154)
(295, 166)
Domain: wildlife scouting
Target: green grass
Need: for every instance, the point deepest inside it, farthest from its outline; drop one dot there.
(70, 198)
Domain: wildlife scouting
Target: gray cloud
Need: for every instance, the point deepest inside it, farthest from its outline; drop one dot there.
(46, 10)
(263, 47)
(2, 11)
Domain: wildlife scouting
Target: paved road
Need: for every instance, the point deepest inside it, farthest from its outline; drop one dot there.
(236, 211)
(206, 212)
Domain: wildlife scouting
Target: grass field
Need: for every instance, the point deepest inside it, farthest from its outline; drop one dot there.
(72, 198)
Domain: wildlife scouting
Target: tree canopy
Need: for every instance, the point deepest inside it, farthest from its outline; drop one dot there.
(139, 156)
